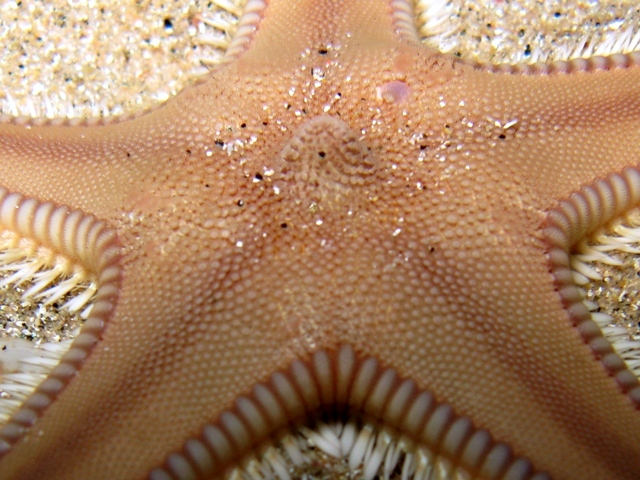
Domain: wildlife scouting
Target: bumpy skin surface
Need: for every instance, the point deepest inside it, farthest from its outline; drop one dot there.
(334, 185)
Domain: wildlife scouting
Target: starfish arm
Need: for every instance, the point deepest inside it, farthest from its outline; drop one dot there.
(143, 390)
(121, 174)
(274, 30)
(538, 139)
(87, 168)
(578, 121)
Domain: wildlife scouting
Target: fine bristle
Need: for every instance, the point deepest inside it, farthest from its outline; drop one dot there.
(346, 449)
(607, 267)
(46, 298)
(546, 31)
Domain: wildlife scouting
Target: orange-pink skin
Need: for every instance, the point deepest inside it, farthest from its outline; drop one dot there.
(431, 260)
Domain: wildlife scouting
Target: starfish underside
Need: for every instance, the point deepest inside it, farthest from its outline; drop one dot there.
(340, 243)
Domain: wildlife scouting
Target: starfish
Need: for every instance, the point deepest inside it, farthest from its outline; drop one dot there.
(336, 223)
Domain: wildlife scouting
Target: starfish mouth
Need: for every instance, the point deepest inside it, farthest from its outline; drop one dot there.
(90, 248)
(583, 216)
(345, 407)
